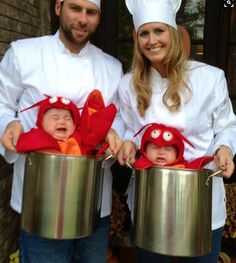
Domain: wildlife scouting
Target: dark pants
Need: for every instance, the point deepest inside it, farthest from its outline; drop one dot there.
(85, 250)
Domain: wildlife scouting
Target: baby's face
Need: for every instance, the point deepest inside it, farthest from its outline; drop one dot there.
(58, 123)
(161, 156)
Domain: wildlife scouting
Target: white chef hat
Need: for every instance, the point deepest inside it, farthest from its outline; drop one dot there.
(96, 2)
(148, 11)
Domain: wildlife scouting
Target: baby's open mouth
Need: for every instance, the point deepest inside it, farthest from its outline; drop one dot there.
(160, 159)
(61, 129)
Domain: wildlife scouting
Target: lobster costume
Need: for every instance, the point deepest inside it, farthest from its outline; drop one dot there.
(92, 126)
(161, 136)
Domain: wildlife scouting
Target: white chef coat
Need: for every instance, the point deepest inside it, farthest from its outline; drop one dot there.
(42, 65)
(207, 120)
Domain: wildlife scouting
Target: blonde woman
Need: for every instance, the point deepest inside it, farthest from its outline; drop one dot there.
(164, 87)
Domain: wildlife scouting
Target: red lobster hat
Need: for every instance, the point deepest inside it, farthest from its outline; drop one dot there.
(55, 102)
(161, 136)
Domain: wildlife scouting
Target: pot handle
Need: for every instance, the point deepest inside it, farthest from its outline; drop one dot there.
(212, 175)
(127, 164)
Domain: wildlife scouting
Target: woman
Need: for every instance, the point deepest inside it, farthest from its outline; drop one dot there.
(165, 87)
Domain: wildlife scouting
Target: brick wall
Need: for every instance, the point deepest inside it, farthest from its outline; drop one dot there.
(23, 19)
(18, 19)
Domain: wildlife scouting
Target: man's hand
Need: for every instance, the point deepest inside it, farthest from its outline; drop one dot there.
(11, 134)
(114, 142)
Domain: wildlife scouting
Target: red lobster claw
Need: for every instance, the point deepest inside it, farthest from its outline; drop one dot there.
(96, 120)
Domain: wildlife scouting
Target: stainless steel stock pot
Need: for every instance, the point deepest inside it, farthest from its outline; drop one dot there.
(62, 195)
(172, 211)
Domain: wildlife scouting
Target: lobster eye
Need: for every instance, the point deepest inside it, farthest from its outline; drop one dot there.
(65, 101)
(167, 136)
(155, 134)
(53, 99)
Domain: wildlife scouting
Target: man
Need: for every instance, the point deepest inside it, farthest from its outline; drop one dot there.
(65, 64)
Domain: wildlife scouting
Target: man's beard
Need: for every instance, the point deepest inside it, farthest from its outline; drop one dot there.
(69, 36)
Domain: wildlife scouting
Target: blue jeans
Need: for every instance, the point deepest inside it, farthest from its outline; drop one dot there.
(90, 249)
(144, 256)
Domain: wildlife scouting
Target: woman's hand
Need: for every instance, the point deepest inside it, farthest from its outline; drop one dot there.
(127, 153)
(11, 135)
(224, 160)
(114, 142)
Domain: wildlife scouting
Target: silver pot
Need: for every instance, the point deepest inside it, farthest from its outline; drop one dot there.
(62, 195)
(172, 211)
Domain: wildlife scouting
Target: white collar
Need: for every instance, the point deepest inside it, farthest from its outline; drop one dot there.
(65, 50)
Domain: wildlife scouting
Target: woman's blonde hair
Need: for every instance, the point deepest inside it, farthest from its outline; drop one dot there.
(175, 66)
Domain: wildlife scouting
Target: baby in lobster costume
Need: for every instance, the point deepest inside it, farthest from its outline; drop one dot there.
(164, 146)
(62, 129)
